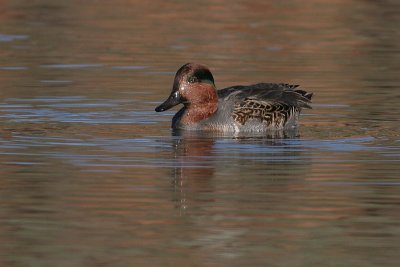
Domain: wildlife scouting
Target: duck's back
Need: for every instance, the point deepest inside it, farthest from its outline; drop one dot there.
(259, 107)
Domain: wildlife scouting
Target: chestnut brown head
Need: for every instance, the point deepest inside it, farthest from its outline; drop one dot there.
(193, 85)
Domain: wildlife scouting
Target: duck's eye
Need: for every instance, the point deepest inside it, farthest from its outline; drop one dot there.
(193, 79)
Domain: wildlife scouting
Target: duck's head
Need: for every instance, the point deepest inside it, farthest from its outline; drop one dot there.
(193, 85)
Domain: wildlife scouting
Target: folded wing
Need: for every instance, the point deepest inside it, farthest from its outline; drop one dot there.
(273, 104)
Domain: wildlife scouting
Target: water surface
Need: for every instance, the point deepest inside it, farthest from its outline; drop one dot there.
(91, 176)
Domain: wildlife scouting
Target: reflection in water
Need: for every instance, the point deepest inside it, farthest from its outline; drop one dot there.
(194, 168)
(206, 175)
(199, 155)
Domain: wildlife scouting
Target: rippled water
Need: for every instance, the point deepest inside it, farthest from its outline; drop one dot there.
(91, 176)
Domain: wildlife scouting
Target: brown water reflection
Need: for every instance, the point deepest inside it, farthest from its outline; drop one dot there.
(90, 175)
(199, 162)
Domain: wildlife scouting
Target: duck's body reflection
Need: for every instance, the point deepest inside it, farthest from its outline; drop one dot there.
(200, 156)
(195, 168)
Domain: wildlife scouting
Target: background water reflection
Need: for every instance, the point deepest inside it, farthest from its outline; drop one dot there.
(91, 175)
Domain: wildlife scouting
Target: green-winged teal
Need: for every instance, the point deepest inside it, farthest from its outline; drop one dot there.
(253, 108)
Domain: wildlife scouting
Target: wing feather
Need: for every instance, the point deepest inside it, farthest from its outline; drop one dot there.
(272, 103)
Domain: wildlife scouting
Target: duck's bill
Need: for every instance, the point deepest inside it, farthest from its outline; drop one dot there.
(172, 101)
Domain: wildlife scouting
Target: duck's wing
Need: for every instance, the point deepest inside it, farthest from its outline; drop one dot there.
(279, 92)
(273, 104)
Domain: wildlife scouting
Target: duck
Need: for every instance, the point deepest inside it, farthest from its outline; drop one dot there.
(260, 107)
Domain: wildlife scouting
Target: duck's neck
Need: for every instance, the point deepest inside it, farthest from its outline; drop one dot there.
(201, 103)
(196, 113)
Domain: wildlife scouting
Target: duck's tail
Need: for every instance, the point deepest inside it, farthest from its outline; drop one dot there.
(304, 94)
